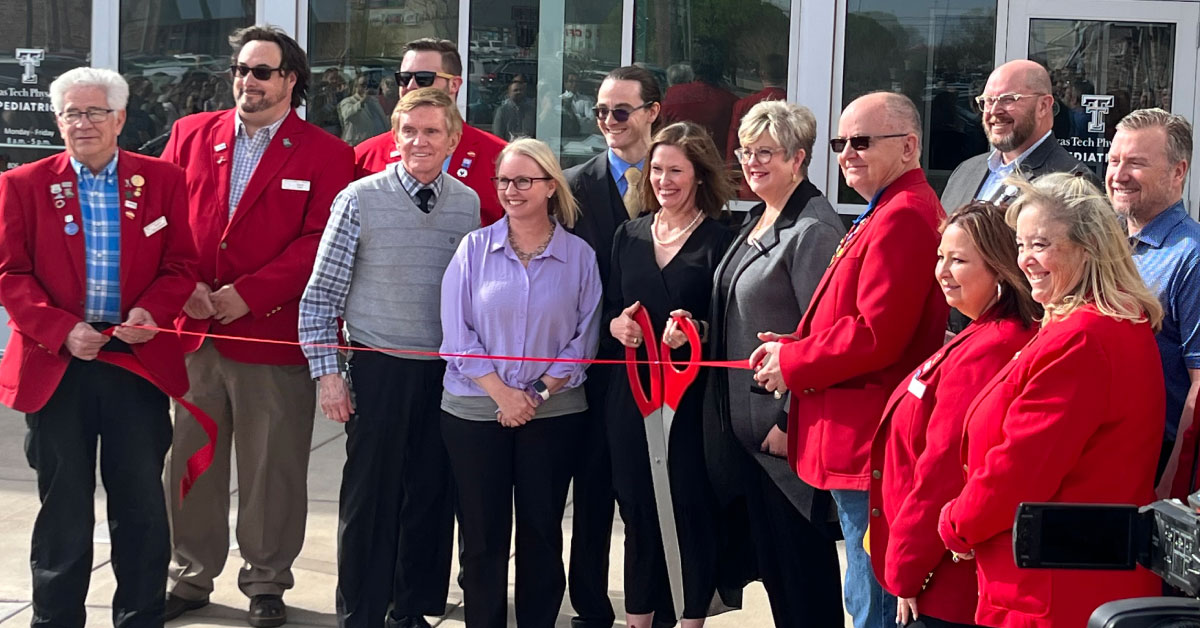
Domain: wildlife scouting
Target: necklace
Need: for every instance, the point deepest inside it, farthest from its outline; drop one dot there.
(672, 239)
(526, 257)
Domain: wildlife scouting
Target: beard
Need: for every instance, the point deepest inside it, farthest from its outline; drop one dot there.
(257, 100)
(1022, 130)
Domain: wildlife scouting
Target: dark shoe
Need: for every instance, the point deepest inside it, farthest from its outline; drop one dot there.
(416, 621)
(267, 611)
(177, 606)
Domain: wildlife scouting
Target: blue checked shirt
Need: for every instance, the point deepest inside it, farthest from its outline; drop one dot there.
(247, 151)
(100, 209)
(324, 298)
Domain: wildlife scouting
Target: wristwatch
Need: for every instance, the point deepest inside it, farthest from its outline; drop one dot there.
(539, 391)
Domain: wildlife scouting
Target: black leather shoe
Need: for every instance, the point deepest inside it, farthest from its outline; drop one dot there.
(267, 611)
(415, 621)
(177, 606)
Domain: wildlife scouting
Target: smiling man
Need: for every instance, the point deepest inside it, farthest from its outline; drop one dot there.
(1017, 114)
(261, 181)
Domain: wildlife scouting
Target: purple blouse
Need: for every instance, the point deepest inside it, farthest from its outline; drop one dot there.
(492, 305)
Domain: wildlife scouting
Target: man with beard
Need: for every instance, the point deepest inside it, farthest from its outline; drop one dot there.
(1017, 112)
(261, 181)
(1147, 171)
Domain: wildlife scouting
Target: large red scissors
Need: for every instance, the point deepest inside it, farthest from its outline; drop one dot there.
(667, 385)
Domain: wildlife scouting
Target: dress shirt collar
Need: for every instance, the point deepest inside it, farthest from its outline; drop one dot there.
(412, 185)
(105, 172)
(618, 166)
(555, 249)
(239, 127)
(1157, 230)
(996, 163)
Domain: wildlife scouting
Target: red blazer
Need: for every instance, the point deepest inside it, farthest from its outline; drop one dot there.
(268, 249)
(707, 105)
(1076, 417)
(473, 163)
(42, 272)
(877, 313)
(741, 108)
(916, 467)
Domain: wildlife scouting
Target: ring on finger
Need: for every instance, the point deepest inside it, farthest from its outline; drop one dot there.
(779, 394)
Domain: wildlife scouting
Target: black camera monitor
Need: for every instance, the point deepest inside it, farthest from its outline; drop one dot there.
(1075, 536)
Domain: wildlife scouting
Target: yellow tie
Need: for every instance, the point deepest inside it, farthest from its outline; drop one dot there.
(633, 192)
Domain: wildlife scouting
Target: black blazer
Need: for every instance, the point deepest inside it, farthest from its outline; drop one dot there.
(600, 206)
(1048, 157)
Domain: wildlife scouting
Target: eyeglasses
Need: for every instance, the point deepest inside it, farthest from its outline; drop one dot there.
(762, 155)
(95, 115)
(858, 142)
(620, 114)
(424, 78)
(522, 183)
(1001, 101)
(260, 72)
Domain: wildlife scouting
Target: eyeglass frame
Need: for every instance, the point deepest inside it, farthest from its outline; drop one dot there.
(854, 141)
(73, 116)
(241, 70)
(982, 100)
(502, 183)
(601, 113)
(434, 75)
(740, 153)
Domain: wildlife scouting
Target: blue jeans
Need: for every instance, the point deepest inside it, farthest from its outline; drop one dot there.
(866, 601)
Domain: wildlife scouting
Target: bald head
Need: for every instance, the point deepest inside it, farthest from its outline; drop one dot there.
(1029, 77)
(1012, 126)
(894, 127)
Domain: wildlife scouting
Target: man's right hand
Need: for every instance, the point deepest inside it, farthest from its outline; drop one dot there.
(334, 396)
(199, 305)
(84, 342)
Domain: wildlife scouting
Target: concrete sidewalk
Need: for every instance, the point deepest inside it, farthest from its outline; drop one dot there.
(310, 603)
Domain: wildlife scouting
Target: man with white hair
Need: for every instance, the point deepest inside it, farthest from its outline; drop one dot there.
(94, 241)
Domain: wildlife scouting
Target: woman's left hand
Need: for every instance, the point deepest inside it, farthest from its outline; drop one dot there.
(906, 610)
(765, 362)
(672, 334)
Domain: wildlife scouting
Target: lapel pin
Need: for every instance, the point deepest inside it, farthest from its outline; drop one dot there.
(69, 218)
(55, 188)
(71, 228)
(219, 147)
(137, 180)
(137, 192)
(69, 194)
(128, 194)
(59, 204)
(287, 143)
(130, 215)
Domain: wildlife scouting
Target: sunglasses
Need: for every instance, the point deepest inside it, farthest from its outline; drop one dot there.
(620, 114)
(858, 142)
(424, 78)
(260, 72)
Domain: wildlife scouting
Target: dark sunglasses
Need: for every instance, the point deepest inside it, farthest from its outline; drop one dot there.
(260, 72)
(424, 78)
(620, 114)
(858, 142)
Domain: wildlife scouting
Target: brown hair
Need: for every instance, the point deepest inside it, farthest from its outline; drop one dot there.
(648, 87)
(293, 59)
(984, 223)
(1176, 127)
(451, 60)
(715, 183)
(429, 97)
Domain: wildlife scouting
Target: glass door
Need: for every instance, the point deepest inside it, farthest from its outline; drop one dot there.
(1120, 57)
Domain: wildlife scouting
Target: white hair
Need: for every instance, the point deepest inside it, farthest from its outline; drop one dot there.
(115, 88)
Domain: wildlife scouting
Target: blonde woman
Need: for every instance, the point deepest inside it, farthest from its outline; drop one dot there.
(1077, 416)
(524, 287)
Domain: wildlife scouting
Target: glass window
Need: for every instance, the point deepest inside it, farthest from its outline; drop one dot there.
(939, 53)
(355, 48)
(534, 70)
(42, 40)
(175, 56)
(1101, 71)
(715, 59)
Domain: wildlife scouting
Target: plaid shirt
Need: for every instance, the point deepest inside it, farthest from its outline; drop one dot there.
(100, 214)
(247, 151)
(324, 298)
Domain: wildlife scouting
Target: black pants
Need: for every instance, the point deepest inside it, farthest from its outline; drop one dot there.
(131, 420)
(797, 562)
(494, 467)
(592, 508)
(395, 517)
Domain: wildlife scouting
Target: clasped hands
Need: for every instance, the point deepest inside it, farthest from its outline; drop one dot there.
(764, 361)
(224, 304)
(629, 333)
(84, 342)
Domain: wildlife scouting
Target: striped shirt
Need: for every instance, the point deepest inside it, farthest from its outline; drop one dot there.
(100, 213)
(1167, 254)
(247, 151)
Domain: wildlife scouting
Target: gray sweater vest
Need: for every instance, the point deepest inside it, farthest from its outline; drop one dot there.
(395, 291)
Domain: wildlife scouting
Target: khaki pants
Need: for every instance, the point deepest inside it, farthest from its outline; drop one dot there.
(267, 412)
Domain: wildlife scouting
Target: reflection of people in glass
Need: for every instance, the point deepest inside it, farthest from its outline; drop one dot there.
(389, 95)
(515, 116)
(772, 71)
(323, 102)
(578, 106)
(704, 100)
(360, 113)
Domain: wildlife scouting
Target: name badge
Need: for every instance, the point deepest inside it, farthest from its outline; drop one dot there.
(299, 185)
(916, 387)
(155, 226)
(131, 204)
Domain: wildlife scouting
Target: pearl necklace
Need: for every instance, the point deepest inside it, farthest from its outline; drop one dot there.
(672, 239)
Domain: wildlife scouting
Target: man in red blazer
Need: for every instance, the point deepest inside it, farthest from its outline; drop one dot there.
(260, 183)
(876, 314)
(94, 239)
(436, 63)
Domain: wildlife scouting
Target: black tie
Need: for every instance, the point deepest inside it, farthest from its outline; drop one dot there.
(423, 197)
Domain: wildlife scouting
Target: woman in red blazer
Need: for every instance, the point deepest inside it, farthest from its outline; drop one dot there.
(914, 457)
(1077, 416)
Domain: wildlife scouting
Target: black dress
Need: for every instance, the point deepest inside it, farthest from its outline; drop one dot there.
(685, 283)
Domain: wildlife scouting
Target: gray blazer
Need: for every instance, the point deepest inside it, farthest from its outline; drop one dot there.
(1048, 157)
(770, 290)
